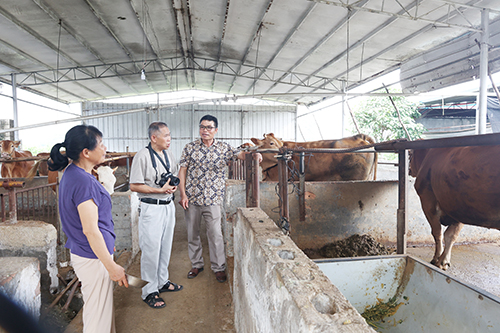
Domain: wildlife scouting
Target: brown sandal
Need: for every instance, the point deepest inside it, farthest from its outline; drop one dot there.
(194, 272)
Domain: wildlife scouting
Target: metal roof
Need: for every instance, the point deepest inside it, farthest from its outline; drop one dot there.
(289, 50)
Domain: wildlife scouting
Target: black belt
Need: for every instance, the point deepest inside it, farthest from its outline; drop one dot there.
(157, 201)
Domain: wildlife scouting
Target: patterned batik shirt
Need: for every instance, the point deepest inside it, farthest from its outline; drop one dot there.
(206, 171)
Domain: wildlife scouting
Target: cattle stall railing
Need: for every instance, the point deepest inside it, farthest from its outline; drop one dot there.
(236, 169)
(37, 203)
(284, 156)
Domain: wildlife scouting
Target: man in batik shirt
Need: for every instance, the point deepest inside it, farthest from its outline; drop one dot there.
(202, 184)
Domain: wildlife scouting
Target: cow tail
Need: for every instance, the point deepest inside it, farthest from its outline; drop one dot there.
(32, 173)
(373, 169)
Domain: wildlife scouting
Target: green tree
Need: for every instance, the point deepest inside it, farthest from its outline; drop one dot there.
(377, 117)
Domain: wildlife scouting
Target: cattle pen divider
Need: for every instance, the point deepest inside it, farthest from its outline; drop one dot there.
(34, 203)
(401, 147)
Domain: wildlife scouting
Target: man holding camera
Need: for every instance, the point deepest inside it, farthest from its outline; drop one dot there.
(202, 184)
(152, 176)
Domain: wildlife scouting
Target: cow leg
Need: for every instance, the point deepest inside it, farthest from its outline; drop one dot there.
(438, 241)
(432, 213)
(450, 237)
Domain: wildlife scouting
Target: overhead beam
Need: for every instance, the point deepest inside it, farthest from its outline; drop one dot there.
(48, 10)
(31, 79)
(388, 49)
(299, 23)
(183, 19)
(221, 40)
(114, 36)
(143, 16)
(258, 30)
(408, 16)
(44, 41)
(27, 56)
(323, 40)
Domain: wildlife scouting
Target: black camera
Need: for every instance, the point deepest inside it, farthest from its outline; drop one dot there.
(174, 181)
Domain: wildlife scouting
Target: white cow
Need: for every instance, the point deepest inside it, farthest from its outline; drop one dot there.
(106, 177)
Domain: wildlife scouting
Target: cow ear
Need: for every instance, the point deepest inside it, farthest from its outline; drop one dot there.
(16, 143)
(271, 134)
(114, 170)
(255, 141)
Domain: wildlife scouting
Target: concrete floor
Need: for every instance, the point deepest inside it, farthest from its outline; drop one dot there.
(204, 305)
(475, 264)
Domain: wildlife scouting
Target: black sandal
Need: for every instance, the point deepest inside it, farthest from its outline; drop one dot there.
(153, 299)
(165, 287)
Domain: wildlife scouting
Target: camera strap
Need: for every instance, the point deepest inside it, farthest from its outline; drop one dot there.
(153, 153)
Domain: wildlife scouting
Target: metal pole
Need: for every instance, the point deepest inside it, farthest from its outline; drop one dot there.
(14, 105)
(10, 185)
(483, 74)
(255, 181)
(402, 217)
(302, 187)
(252, 180)
(343, 109)
(283, 185)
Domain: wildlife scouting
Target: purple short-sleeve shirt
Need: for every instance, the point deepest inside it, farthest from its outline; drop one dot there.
(76, 187)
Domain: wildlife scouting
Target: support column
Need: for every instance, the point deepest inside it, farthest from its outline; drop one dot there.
(483, 74)
(402, 216)
(14, 105)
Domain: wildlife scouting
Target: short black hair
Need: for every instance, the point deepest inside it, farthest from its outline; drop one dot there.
(210, 118)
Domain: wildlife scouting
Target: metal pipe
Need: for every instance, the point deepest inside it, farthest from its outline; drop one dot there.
(302, 187)
(483, 74)
(4, 211)
(252, 180)
(14, 105)
(255, 180)
(11, 185)
(283, 185)
(402, 216)
(491, 139)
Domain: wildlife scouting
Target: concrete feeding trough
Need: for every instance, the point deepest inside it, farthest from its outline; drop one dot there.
(427, 299)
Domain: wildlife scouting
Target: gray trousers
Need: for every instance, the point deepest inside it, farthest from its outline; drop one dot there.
(156, 232)
(212, 217)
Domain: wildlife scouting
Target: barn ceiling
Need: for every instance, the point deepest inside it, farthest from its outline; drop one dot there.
(289, 50)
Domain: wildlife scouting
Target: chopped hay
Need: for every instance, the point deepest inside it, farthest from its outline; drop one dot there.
(354, 246)
(379, 311)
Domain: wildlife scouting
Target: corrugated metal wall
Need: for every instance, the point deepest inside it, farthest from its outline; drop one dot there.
(237, 124)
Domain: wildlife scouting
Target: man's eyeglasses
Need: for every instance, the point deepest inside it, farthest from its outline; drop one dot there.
(208, 128)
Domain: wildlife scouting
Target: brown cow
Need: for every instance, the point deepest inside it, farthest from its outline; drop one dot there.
(457, 186)
(14, 169)
(323, 166)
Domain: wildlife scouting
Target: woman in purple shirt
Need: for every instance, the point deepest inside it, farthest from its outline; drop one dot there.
(85, 210)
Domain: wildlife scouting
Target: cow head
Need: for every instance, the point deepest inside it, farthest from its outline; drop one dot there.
(105, 175)
(269, 142)
(8, 147)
